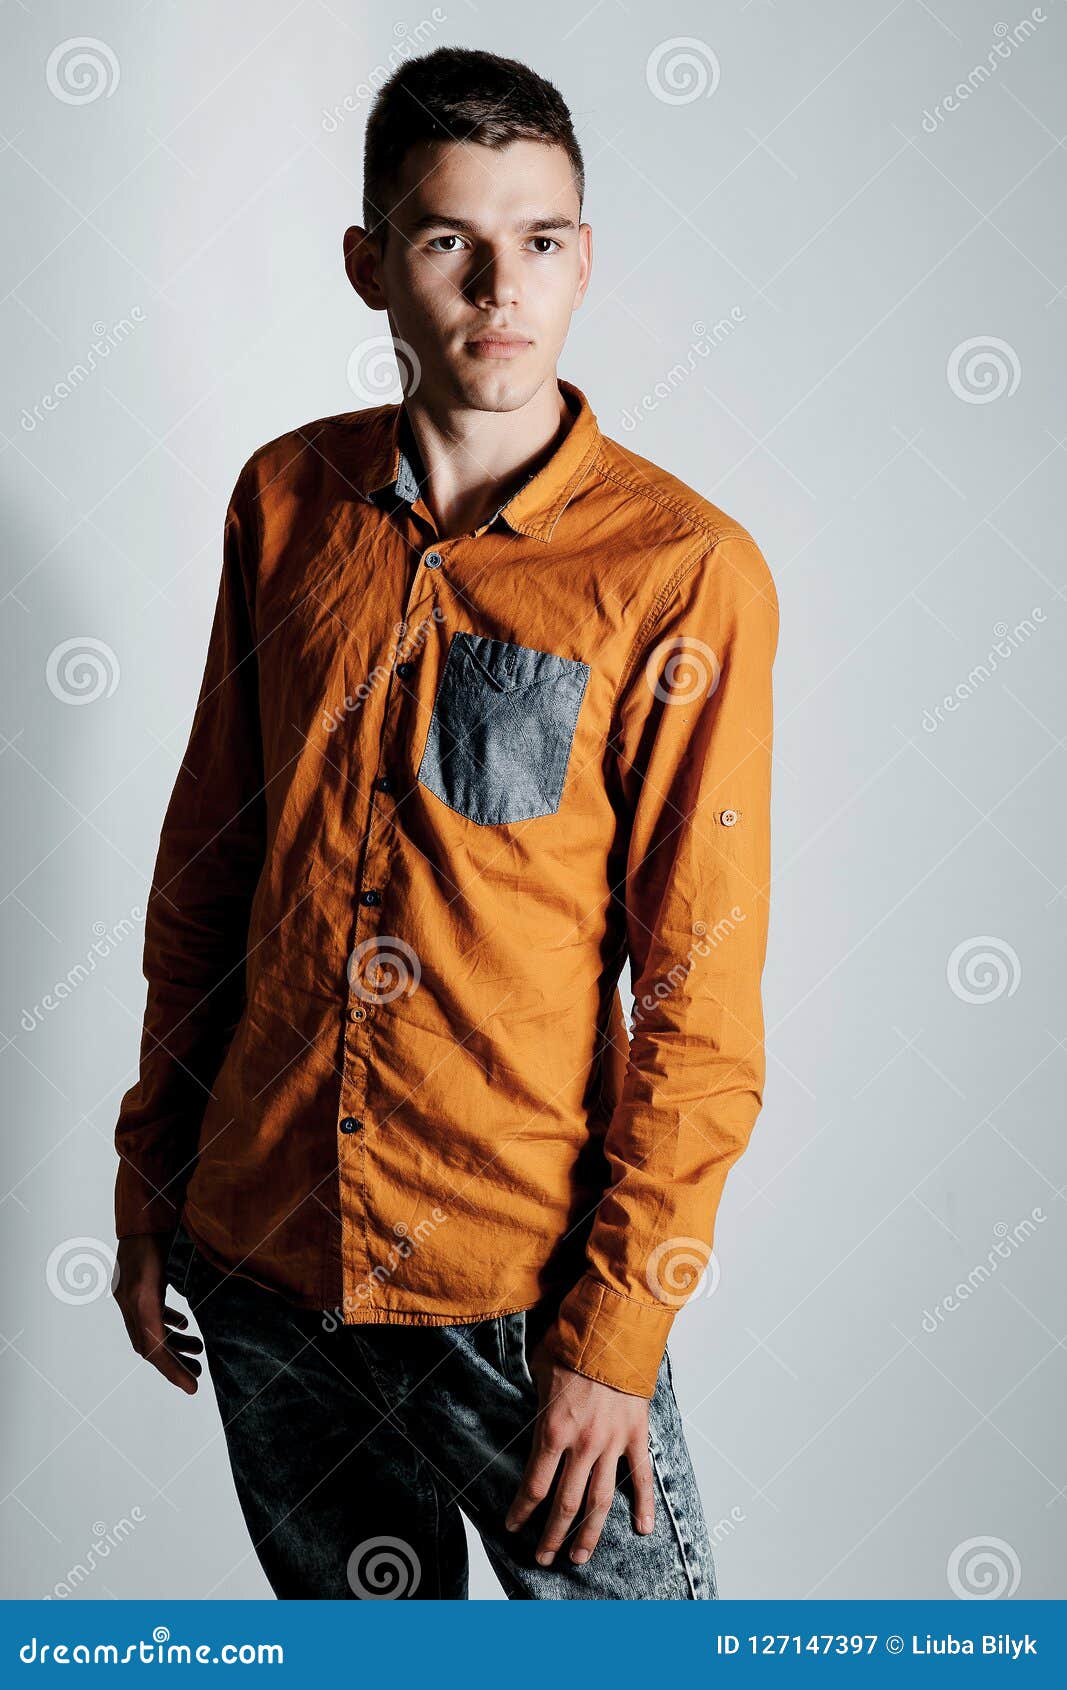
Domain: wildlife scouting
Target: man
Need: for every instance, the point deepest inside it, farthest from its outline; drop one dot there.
(486, 713)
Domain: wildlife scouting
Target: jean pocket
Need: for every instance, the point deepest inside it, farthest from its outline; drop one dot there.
(502, 728)
(179, 1261)
(511, 1335)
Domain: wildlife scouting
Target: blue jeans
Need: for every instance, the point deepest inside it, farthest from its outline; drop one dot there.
(355, 1448)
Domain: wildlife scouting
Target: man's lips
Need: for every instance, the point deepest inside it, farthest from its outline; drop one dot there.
(497, 346)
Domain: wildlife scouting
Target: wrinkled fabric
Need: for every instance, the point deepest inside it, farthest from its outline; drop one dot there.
(436, 792)
(355, 1452)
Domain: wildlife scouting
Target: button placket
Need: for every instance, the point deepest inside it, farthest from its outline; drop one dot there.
(357, 1173)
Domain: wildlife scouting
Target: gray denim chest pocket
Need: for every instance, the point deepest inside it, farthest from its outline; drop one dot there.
(501, 731)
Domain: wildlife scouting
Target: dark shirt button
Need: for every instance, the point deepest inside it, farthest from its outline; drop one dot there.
(350, 1124)
(370, 897)
(432, 560)
(385, 783)
(405, 669)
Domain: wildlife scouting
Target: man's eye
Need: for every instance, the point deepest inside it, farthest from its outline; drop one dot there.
(547, 239)
(434, 247)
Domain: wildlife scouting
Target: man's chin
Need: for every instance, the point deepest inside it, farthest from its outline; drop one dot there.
(506, 388)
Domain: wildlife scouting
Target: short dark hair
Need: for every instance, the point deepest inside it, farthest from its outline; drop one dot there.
(458, 94)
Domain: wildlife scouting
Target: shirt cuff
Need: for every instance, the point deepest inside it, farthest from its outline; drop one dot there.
(609, 1337)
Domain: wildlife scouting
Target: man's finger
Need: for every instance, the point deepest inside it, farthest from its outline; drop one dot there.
(536, 1484)
(150, 1340)
(184, 1343)
(568, 1502)
(599, 1497)
(639, 1461)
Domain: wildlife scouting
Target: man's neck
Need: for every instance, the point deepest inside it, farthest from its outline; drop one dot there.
(474, 459)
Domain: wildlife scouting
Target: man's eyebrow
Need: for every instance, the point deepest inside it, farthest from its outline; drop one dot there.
(527, 225)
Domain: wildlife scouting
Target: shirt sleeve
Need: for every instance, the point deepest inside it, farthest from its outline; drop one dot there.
(692, 752)
(210, 854)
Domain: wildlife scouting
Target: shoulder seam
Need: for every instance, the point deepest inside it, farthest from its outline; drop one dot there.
(662, 599)
(655, 612)
(711, 530)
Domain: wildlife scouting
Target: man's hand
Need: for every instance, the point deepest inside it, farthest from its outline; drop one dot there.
(140, 1289)
(588, 1427)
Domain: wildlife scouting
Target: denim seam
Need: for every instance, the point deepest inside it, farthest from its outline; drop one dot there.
(438, 1569)
(691, 1577)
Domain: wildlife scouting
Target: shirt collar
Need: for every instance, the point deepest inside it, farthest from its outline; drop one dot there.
(389, 460)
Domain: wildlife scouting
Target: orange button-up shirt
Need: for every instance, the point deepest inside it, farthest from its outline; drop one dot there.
(436, 793)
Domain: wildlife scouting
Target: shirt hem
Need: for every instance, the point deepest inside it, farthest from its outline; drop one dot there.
(375, 1315)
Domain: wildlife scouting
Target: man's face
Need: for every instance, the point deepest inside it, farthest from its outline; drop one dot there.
(482, 241)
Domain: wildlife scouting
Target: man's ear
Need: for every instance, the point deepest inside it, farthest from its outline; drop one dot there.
(363, 261)
(585, 267)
